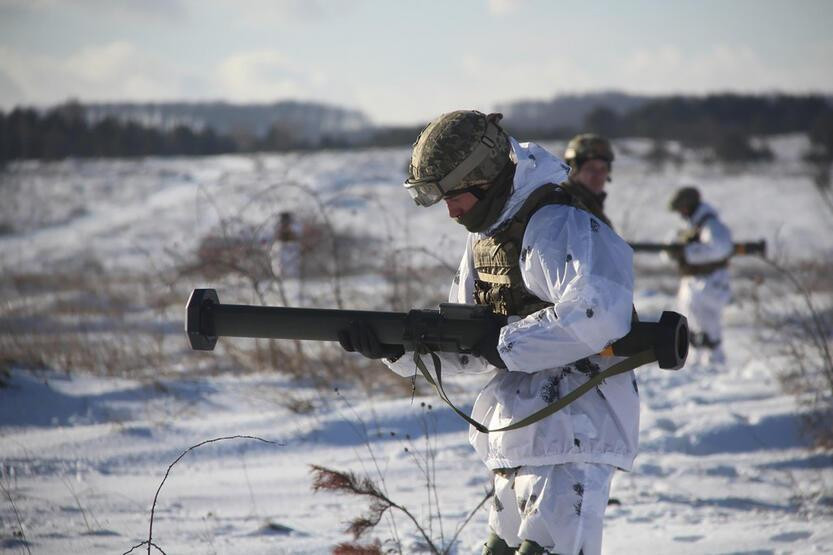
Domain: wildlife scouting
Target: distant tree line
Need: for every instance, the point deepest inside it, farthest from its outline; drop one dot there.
(821, 135)
(64, 132)
(724, 123)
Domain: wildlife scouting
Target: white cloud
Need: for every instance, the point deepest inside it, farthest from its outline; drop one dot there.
(112, 71)
(157, 11)
(119, 71)
(28, 5)
(718, 68)
(8, 89)
(100, 64)
(255, 76)
(503, 7)
(261, 14)
(267, 75)
(475, 81)
(281, 10)
(524, 77)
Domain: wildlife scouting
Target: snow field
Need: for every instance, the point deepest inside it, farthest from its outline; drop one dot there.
(724, 466)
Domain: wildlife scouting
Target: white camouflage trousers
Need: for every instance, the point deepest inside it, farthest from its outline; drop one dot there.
(702, 299)
(560, 507)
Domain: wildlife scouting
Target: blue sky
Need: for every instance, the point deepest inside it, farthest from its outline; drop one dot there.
(406, 61)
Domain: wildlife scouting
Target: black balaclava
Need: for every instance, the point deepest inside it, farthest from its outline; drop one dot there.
(486, 210)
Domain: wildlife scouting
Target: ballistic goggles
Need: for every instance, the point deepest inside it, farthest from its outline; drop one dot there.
(428, 191)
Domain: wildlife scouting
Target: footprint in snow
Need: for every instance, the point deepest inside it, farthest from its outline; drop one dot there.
(791, 536)
(688, 539)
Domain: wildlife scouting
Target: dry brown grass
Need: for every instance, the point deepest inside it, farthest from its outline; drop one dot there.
(794, 306)
(85, 318)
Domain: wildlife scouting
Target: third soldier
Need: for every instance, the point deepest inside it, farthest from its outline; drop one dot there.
(591, 160)
(703, 261)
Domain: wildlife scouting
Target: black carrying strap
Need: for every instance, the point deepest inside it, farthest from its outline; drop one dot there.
(635, 361)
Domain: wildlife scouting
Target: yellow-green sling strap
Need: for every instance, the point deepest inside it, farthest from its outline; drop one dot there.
(635, 361)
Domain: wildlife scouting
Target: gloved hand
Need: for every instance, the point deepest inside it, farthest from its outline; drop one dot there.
(676, 252)
(360, 338)
(486, 347)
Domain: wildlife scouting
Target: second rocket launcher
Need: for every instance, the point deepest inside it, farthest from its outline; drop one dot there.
(739, 249)
(452, 328)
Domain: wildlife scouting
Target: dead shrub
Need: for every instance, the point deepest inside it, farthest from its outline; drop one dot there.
(429, 529)
(84, 317)
(794, 306)
(80, 319)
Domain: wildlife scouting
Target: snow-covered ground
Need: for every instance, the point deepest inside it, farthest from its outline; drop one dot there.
(724, 466)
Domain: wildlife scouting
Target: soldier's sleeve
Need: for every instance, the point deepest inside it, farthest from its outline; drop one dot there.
(461, 291)
(578, 263)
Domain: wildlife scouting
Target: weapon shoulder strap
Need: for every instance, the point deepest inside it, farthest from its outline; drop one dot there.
(640, 359)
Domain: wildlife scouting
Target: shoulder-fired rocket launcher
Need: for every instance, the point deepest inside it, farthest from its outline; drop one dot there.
(757, 248)
(454, 328)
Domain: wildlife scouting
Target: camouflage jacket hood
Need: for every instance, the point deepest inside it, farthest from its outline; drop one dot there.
(534, 166)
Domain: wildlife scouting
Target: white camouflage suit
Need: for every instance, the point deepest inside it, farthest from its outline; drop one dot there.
(553, 477)
(702, 298)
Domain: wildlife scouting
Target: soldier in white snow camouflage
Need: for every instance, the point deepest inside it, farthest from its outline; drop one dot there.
(560, 284)
(703, 263)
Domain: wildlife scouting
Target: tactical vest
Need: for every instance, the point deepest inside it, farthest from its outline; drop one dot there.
(497, 258)
(499, 284)
(693, 236)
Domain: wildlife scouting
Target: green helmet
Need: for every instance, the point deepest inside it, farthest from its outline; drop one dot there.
(587, 146)
(456, 151)
(685, 199)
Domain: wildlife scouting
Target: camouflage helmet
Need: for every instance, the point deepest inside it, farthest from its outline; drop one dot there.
(685, 199)
(456, 151)
(587, 146)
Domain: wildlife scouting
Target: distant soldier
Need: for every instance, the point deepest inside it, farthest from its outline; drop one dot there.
(286, 254)
(591, 159)
(703, 261)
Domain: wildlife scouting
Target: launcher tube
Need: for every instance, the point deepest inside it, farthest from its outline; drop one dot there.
(455, 328)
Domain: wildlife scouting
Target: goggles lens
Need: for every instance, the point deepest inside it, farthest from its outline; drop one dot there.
(424, 193)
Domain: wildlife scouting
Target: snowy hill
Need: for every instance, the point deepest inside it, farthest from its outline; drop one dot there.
(309, 121)
(97, 262)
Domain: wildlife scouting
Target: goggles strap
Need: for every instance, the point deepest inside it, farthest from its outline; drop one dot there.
(477, 190)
